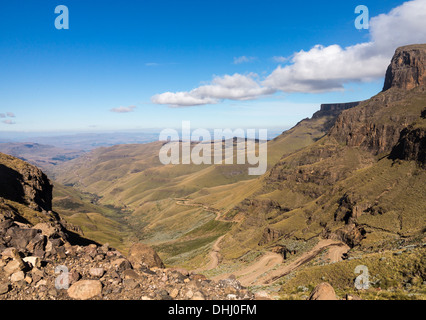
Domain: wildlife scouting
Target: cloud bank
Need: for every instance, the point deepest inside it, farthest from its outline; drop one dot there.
(322, 68)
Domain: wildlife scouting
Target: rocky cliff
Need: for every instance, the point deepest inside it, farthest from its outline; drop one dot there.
(24, 183)
(376, 124)
(345, 186)
(334, 109)
(411, 145)
(407, 69)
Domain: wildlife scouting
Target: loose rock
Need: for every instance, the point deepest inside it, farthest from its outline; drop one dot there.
(85, 289)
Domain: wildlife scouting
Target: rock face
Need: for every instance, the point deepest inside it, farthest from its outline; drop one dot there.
(141, 255)
(24, 183)
(333, 109)
(323, 291)
(411, 146)
(371, 125)
(407, 69)
(269, 235)
(376, 124)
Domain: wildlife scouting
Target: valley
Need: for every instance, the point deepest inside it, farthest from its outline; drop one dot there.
(342, 188)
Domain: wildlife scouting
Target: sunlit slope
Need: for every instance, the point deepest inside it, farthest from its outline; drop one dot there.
(126, 174)
(103, 224)
(132, 177)
(343, 186)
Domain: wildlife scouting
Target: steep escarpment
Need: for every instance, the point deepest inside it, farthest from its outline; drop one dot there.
(376, 124)
(407, 69)
(347, 186)
(331, 111)
(334, 109)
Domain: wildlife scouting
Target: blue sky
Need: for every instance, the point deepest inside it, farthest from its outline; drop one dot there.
(121, 54)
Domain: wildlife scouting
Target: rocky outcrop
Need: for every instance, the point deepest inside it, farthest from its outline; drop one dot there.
(24, 183)
(283, 251)
(371, 125)
(407, 69)
(376, 124)
(323, 291)
(411, 146)
(350, 208)
(58, 270)
(333, 109)
(141, 255)
(269, 235)
(330, 112)
(351, 234)
(45, 260)
(38, 262)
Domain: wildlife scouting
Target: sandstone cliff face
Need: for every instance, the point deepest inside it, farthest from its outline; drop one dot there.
(333, 109)
(407, 69)
(24, 183)
(376, 124)
(371, 128)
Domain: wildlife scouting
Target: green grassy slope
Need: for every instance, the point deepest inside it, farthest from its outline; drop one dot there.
(131, 177)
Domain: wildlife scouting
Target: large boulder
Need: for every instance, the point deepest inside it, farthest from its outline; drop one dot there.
(141, 255)
(85, 289)
(323, 291)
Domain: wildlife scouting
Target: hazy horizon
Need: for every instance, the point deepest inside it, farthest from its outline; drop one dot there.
(151, 68)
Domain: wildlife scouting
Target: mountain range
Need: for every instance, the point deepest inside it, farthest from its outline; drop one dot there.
(344, 188)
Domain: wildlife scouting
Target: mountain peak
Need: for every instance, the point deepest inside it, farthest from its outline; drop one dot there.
(407, 69)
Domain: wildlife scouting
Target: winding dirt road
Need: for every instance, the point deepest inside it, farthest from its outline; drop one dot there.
(249, 274)
(269, 267)
(214, 254)
(304, 258)
(214, 257)
(335, 253)
(184, 202)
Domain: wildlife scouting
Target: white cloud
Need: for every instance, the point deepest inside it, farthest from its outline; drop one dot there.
(403, 25)
(10, 114)
(322, 68)
(123, 109)
(9, 122)
(181, 99)
(329, 68)
(2, 115)
(233, 87)
(243, 59)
